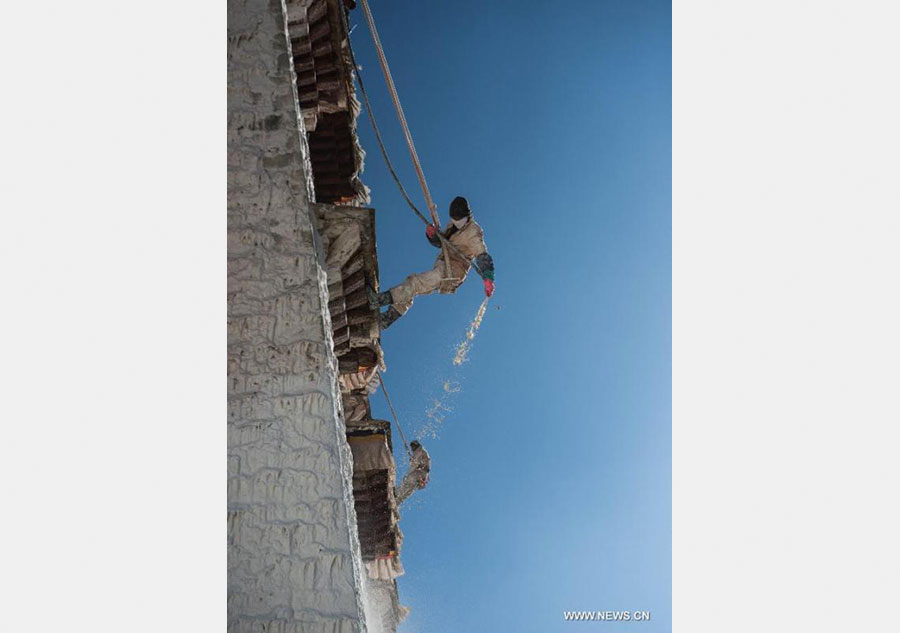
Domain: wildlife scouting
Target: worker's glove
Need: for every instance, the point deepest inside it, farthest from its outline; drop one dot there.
(430, 231)
(488, 287)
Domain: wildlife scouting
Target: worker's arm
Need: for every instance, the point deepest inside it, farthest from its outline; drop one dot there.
(435, 239)
(486, 269)
(485, 265)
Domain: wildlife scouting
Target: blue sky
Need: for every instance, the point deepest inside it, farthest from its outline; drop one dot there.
(551, 480)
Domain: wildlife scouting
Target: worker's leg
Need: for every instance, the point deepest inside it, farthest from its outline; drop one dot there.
(425, 283)
(406, 488)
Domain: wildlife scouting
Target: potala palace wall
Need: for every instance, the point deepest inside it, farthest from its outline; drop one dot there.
(293, 556)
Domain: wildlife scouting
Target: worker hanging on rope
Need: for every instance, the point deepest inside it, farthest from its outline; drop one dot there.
(417, 476)
(467, 238)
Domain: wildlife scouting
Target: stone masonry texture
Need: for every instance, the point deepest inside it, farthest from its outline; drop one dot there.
(293, 554)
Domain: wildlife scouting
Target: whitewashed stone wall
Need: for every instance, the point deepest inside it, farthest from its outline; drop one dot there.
(293, 554)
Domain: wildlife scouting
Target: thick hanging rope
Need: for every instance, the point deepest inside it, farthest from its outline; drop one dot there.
(371, 114)
(409, 141)
(393, 90)
(387, 161)
(394, 413)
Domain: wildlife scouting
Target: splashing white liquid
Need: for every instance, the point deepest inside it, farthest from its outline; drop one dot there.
(462, 350)
(440, 407)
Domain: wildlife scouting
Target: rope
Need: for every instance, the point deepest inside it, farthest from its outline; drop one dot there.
(394, 413)
(409, 141)
(371, 113)
(390, 82)
(387, 161)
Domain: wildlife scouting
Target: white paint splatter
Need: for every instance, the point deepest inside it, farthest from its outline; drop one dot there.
(440, 407)
(462, 350)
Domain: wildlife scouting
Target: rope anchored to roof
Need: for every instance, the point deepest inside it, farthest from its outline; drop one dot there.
(371, 114)
(394, 413)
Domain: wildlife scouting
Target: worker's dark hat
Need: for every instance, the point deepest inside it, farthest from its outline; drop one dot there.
(459, 208)
(414, 444)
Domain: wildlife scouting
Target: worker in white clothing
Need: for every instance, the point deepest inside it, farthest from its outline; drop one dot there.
(417, 476)
(468, 239)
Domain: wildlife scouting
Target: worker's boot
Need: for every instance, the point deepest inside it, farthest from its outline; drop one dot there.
(378, 299)
(388, 317)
